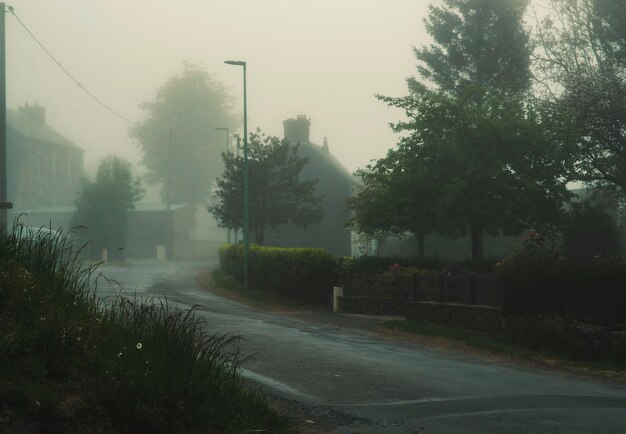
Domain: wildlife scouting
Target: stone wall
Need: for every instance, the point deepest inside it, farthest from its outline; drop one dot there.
(372, 305)
(480, 318)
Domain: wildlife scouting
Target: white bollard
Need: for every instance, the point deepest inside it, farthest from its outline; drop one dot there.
(105, 255)
(337, 292)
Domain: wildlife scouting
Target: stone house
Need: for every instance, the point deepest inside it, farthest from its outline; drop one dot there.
(334, 184)
(44, 167)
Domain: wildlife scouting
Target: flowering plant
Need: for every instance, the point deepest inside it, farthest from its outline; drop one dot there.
(538, 254)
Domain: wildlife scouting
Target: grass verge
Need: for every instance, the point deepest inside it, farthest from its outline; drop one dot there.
(70, 361)
(469, 341)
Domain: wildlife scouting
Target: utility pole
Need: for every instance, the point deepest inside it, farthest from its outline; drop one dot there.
(4, 205)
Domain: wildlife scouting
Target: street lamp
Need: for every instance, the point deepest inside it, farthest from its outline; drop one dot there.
(246, 211)
(227, 151)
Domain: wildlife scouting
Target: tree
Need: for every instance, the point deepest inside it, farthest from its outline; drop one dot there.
(581, 66)
(187, 110)
(477, 44)
(103, 206)
(474, 135)
(372, 215)
(277, 196)
(396, 197)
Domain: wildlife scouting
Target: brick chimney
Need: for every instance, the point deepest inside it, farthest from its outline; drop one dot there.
(35, 112)
(297, 130)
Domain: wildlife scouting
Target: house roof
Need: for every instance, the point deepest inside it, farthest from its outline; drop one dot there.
(28, 127)
(330, 159)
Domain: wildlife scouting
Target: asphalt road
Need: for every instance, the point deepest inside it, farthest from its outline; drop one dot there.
(396, 387)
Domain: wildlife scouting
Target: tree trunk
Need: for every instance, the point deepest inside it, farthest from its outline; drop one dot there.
(477, 244)
(378, 245)
(420, 244)
(259, 237)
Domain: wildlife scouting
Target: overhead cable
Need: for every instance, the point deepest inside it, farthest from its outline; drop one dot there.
(79, 84)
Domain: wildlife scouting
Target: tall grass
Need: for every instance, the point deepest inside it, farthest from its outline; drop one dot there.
(141, 364)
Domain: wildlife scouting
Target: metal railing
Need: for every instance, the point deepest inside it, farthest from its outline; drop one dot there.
(473, 289)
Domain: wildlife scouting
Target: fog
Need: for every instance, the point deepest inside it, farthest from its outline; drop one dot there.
(326, 59)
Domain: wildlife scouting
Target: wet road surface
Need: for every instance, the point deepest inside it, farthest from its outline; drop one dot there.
(397, 387)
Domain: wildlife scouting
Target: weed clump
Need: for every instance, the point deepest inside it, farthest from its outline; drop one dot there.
(69, 358)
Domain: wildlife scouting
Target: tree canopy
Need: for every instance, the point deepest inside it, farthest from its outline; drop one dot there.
(581, 67)
(475, 156)
(277, 195)
(476, 43)
(178, 139)
(103, 206)
(396, 198)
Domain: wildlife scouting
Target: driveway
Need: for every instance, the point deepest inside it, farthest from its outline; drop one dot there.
(394, 387)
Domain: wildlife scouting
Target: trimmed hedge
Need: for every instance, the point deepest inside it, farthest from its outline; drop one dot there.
(302, 273)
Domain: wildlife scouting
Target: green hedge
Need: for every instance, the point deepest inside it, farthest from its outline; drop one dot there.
(302, 273)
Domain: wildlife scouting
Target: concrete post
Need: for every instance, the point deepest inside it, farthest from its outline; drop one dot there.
(337, 292)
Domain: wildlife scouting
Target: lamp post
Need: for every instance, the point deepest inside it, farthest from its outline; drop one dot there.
(246, 211)
(227, 151)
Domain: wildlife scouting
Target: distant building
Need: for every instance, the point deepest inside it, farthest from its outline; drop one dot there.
(335, 184)
(148, 230)
(44, 168)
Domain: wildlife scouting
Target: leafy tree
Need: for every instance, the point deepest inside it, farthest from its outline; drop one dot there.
(395, 199)
(372, 215)
(276, 195)
(188, 108)
(477, 44)
(103, 206)
(581, 65)
(474, 136)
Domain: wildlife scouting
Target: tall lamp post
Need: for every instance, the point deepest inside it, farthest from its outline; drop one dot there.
(227, 151)
(246, 211)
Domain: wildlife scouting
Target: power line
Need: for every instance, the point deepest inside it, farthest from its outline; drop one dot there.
(94, 97)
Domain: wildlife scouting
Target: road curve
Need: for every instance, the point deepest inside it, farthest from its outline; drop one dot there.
(395, 387)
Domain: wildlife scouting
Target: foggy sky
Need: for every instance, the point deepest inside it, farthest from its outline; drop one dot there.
(322, 58)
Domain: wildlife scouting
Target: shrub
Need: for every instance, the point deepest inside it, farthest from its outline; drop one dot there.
(381, 264)
(538, 256)
(303, 273)
(397, 270)
(538, 281)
